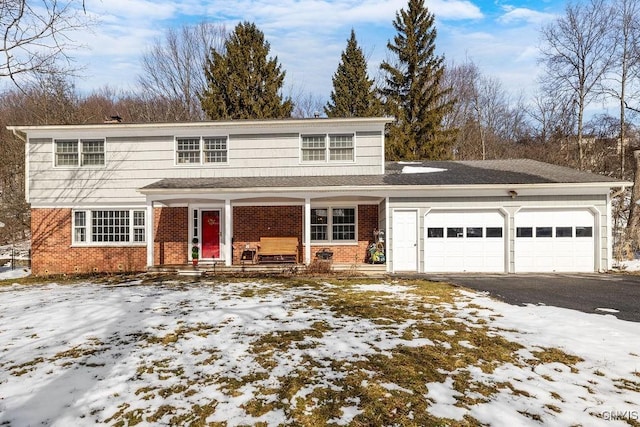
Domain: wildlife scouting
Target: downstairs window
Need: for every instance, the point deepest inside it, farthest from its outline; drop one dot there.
(109, 226)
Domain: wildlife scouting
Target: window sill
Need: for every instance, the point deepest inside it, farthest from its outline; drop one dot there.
(340, 243)
(109, 245)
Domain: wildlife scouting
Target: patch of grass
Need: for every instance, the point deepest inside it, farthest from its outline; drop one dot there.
(555, 355)
(23, 368)
(553, 408)
(182, 332)
(122, 417)
(626, 384)
(534, 417)
(557, 396)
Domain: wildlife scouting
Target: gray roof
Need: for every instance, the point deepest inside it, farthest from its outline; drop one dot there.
(434, 173)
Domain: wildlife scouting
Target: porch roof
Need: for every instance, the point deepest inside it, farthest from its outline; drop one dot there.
(404, 174)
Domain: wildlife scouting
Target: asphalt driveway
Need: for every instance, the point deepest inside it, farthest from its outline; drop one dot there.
(614, 294)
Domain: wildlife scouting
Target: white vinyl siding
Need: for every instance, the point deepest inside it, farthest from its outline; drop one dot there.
(114, 226)
(327, 147)
(201, 150)
(83, 152)
(137, 155)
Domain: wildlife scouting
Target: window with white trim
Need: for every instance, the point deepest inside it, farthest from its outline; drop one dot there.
(215, 150)
(336, 224)
(188, 150)
(109, 226)
(314, 148)
(327, 147)
(341, 148)
(201, 150)
(79, 152)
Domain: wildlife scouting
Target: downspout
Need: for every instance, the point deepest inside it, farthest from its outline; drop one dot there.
(611, 235)
(22, 136)
(17, 134)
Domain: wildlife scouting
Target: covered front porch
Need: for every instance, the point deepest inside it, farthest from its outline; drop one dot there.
(226, 228)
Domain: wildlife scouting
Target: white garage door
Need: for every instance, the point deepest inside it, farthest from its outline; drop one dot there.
(469, 241)
(554, 240)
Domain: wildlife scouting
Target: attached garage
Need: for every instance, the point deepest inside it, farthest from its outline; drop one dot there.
(561, 240)
(464, 241)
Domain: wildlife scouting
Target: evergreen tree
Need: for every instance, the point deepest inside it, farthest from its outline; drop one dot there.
(353, 92)
(242, 83)
(413, 91)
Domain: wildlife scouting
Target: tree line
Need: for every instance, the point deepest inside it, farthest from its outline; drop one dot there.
(443, 110)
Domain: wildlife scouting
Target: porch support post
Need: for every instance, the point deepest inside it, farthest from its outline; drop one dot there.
(150, 236)
(307, 231)
(228, 238)
(387, 235)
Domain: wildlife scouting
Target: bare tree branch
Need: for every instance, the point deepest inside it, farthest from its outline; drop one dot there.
(36, 35)
(173, 68)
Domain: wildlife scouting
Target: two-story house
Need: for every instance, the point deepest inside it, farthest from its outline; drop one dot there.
(127, 197)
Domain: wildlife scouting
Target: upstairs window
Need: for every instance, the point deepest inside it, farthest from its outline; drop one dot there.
(341, 148)
(188, 150)
(314, 148)
(215, 150)
(327, 147)
(92, 153)
(79, 152)
(201, 150)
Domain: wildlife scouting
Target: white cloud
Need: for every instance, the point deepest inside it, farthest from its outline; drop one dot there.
(521, 14)
(456, 9)
(307, 36)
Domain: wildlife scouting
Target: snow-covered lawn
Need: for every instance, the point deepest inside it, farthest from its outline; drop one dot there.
(306, 352)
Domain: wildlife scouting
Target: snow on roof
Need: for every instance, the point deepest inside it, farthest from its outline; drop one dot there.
(421, 169)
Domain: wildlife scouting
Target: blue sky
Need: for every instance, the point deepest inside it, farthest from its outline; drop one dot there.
(308, 36)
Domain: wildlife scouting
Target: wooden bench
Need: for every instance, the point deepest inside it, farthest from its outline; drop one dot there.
(278, 249)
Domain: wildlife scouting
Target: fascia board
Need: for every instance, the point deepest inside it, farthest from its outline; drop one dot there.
(298, 123)
(395, 190)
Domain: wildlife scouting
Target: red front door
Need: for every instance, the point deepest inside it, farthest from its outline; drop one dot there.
(210, 234)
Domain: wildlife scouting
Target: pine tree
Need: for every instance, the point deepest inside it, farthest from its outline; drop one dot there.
(242, 82)
(354, 94)
(413, 91)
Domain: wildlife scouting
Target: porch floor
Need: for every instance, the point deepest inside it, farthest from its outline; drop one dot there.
(371, 270)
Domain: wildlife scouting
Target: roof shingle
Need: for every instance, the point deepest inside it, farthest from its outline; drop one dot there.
(518, 171)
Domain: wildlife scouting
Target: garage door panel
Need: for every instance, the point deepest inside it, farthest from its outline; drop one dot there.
(463, 244)
(556, 243)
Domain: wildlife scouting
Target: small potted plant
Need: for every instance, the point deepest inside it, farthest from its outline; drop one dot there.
(195, 252)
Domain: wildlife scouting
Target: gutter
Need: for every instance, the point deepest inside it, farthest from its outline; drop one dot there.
(22, 136)
(622, 189)
(373, 188)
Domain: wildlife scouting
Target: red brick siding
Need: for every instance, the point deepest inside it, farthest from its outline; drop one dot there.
(51, 251)
(171, 236)
(355, 254)
(252, 222)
